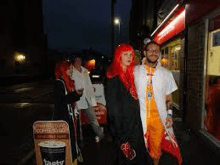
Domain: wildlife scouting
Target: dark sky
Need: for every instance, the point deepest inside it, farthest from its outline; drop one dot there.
(76, 25)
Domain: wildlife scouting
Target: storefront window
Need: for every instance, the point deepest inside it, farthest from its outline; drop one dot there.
(216, 39)
(170, 59)
(164, 59)
(212, 106)
(212, 92)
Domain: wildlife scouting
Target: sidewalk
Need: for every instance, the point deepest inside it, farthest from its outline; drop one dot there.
(193, 151)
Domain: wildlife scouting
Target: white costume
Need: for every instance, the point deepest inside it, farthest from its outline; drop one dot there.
(82, 80)
(87, 100)
(163, 84)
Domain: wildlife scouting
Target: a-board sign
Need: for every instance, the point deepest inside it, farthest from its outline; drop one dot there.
(52, 143)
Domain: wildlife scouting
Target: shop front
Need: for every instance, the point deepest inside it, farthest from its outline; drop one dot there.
(171, 38)
(190, 44)
(203, 71)
(211, 117)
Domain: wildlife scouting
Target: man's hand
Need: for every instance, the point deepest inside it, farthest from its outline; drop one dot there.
(169, 101)
(169, 122)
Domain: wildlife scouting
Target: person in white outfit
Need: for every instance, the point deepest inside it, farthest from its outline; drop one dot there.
(87, 102)
(155, 85)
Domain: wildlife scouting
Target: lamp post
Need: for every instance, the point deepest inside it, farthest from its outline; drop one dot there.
(112, 26)
(118, 22)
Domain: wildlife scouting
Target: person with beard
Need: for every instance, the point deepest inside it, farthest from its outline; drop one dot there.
(123, 111)
(155, 85)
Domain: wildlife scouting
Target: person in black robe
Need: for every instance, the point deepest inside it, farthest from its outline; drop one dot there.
(65, 98)
(123, 112)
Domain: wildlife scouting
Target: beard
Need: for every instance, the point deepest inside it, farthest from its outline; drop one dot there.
(152, 62)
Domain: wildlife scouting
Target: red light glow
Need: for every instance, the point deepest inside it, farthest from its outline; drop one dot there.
(172, 29)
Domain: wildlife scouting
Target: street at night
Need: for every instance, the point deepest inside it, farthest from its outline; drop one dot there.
(22, 105)
(110, 82)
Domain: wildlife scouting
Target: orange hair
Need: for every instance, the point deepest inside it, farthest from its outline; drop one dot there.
(115, 69)
(60, 72)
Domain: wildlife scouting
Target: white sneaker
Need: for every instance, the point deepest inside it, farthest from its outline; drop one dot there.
(97, 139)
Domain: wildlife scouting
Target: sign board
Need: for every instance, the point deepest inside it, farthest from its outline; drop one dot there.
(100, 109)
(101, 114)
(99, 93)
(175, 26)
(52, 143)
(213, 53)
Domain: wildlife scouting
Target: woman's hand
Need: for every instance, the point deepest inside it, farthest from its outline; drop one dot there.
(79, 91)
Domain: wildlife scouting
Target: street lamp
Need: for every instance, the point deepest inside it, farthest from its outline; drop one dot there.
(20, 57)
(117, 22)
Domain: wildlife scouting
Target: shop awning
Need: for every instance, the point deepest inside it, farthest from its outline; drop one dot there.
(173, 26)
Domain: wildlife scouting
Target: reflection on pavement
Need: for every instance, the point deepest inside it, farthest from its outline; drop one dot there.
(23, 89)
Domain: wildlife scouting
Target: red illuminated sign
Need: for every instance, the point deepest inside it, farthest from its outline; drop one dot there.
(176, 26)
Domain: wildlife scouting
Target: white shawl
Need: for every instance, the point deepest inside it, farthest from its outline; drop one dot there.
(163, 84)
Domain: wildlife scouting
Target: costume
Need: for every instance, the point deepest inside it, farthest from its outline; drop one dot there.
(87, 101)
(162, 84)
(63, 111)
(124, 122)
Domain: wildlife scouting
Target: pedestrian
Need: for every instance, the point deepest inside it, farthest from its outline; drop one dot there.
(87, 102)
(123, 111)
(65, 98)
(155, 85)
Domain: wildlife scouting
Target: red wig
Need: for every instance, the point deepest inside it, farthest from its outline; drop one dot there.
(60, 72)
(115, 69)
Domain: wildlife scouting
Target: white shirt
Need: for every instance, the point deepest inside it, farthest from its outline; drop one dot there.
(82, 80)
(99, 93)
(163, 84)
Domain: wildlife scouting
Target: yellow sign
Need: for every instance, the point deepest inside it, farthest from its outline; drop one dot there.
(214, 53)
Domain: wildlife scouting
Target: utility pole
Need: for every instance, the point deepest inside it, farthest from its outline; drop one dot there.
(112, 26)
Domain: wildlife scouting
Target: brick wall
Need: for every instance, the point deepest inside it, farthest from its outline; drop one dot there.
(182, 44)
(195, 69)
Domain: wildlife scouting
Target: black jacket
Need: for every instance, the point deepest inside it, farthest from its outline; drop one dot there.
(61, 110)
(123, 114)
(61, 101)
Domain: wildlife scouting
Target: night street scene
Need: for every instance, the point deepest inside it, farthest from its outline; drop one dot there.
(110, 82)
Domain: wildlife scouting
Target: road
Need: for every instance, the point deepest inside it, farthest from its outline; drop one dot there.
(22, 105)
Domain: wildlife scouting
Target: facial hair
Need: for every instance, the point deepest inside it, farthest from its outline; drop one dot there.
(151, 62)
